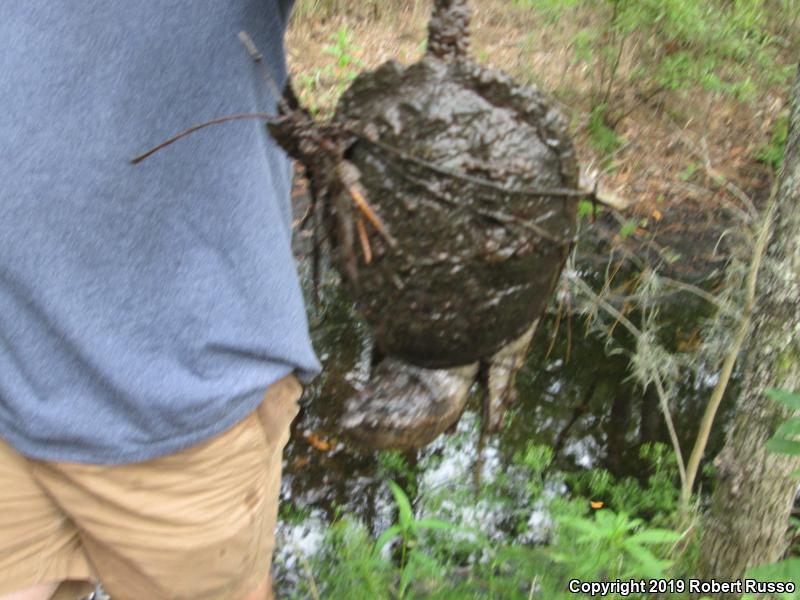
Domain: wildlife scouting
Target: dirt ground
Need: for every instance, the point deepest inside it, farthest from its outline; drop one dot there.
(676, 147)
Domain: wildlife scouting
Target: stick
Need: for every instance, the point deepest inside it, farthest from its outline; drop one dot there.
(218, 121)
(269, 80)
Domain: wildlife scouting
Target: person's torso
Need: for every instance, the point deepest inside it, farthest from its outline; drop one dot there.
(142, 308)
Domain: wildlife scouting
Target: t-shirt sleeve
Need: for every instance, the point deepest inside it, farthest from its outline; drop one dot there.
(286, 8)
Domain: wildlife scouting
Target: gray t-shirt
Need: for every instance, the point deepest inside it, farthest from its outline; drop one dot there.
(143, 308)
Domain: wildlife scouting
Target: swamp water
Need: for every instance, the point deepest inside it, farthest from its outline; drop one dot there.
(579, 399)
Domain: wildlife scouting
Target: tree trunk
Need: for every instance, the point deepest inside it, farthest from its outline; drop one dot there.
(748, 519)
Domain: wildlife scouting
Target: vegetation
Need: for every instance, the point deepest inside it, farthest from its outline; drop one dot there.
(669, 99)
(426, 554)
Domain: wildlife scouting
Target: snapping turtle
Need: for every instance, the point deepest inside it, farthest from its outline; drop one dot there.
(468, 181)
(451, 158)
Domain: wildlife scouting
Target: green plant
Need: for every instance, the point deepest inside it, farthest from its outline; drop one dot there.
(772, 153)
(343, 48)
(612, 545)
(655, 499)
(688, 172)
(628, 229)
(413, 559)
(347, 567)
(784, 441)
(423, 555)
(601, 135)
(663, 46)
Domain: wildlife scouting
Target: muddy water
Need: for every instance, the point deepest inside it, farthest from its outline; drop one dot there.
(577, 399)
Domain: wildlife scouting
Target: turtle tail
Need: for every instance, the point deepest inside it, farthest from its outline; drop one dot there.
(448, 30)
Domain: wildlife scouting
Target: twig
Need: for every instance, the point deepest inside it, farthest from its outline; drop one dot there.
(673, 436)
(258, 58)
(701, 293)
(731, 187)
(533, 587)
(269, 81)
(218, 121)
(559, 311)
(303, 221)
(622, 319)
(701, 441)
(703, 154)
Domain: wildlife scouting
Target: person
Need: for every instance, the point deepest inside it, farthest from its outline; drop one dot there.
(153, 334)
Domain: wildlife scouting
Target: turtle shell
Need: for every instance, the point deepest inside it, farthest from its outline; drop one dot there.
(454, 158)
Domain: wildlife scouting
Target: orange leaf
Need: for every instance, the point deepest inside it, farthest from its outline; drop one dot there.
(597, 504)
(317, 442)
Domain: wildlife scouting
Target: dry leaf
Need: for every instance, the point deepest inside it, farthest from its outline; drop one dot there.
(318, 442)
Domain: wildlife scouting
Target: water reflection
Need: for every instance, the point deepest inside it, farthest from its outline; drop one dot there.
(581, 402)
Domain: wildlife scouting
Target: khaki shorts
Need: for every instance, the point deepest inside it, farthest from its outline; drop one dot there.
(196, 524)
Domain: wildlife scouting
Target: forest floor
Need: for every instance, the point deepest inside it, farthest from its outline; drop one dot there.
(677, 159)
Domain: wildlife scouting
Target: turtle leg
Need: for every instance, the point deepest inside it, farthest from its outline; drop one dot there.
(501, 370)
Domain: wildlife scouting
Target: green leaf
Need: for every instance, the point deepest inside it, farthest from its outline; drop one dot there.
(591, 529)
(687, 173)
(436, 524)
(405, 513)
(784, 570)
(655, 536)
(628, 228)
(386, 537)
(605, 517)
(786, 398)
(789, 428)
(585, 209)
(648, 564)
(783, 446)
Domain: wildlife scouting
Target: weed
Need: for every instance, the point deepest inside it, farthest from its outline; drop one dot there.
(602, 137)
(618, 545)
(343, 48)
(422, 555)
(671, 45)
(314, 88)
(688, 172)
(772, 153)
